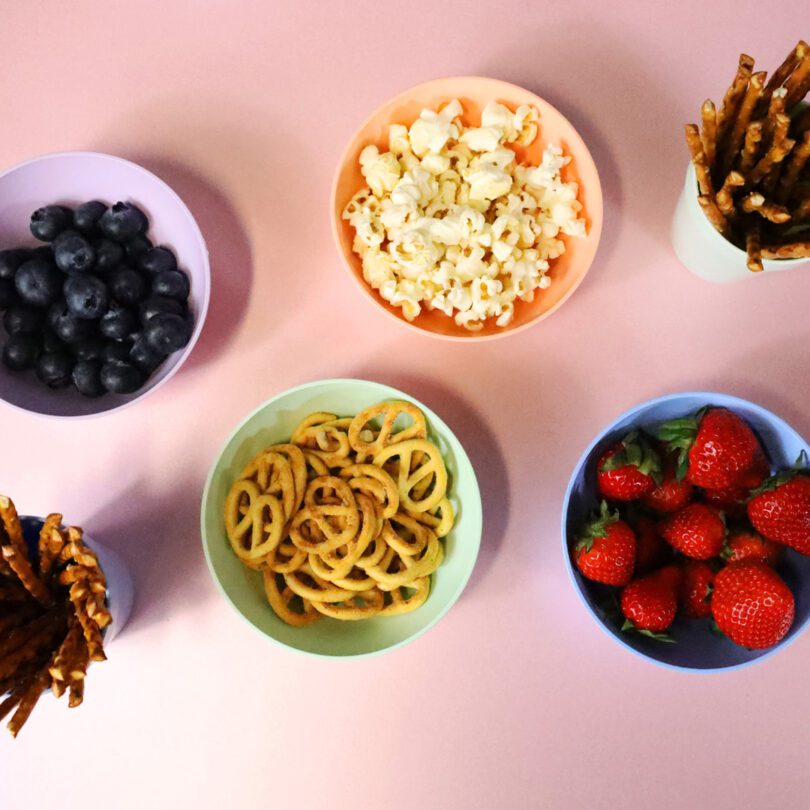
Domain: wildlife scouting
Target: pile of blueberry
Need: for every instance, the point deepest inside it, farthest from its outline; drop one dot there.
(98, 306)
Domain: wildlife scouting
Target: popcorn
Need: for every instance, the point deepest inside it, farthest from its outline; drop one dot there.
(451, 222)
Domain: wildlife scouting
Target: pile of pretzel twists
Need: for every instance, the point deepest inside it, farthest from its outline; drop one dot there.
(751, 160)
(52, 613)
(345, 520)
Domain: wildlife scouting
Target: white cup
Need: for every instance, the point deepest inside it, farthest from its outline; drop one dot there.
(703, 251)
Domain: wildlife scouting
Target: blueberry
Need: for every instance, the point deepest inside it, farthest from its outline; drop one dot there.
(48, 222)
(91, 348)
(73, 253)
(8, 294)
(87, 378)
(126, 285)
(123, 222)
(121, 378)
(66, 326)
(109, 254)
(10, 260)
(116, 351)
(171, 283)
(20, 352)
(136, 247)
(51, 343)
(157, 260)
(22, 320)
(145, 356)
(39, 282)
(86, 217)
(167, 333)
(157, 304)
(86, 296)
(55, 369)
(118, 322)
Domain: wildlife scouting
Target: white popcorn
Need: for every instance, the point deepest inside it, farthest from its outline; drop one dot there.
(451, 222)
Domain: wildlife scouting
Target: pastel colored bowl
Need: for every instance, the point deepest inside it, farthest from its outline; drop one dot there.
(71, 178)
(697, 648)
(274, 422)
(474, 92)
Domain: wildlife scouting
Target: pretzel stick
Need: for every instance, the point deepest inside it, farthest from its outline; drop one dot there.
(798, 82)
(753, 247)
(10, 702)
(702, 173)
(786, 68)
(793, 168)
(755, 202)
(775, 109)
(713, 214)
(735, 92)
(50, 525)
(60, 666)
(51, 553)
(77, 674)
(11, 523)
(12, 591)
(92, 633)
(793, 250)
(30, 581)
(724, 198)
(28, 699)
(801, 123)
(752, 94)
(802, 211)
(708, 134)
(776, 154)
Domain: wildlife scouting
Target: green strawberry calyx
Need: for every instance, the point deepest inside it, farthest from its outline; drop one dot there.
(598, 527)
(680, 435)
(635, 451)
(800, 467)
(664, 637)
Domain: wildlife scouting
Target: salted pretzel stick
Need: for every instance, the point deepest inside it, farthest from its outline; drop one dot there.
(753, 247)
(60, 666)
(12, 591)
(92, 633)
(28, 699)
(793, 250)
(755, 202)
(801, 123)
(776, 154)
(30, 581)
(695, 145)
(11, 523)
(11, 701)
(737, 132)
(708, 134)
(786, 68)
(49, 526)
(798, 82)
(793, 168)
(28, 651)
(734, 94)
(714, 214)
(802, 211)
(76, 676)
(724, 198)
(775, 109)
(50, 555)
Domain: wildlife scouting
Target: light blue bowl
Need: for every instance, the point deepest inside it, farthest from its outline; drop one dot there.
(698, 649)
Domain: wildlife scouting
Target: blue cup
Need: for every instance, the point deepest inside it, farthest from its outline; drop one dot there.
(697, 647)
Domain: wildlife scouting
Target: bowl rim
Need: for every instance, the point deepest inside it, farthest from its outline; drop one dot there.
(729, 401)
(392, 393)
(374, 296)
(204, 301)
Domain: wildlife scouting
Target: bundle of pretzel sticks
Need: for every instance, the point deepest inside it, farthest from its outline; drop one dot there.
(751, 160)
(53, 610)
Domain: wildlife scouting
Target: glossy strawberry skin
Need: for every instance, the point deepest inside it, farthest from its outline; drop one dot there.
(748, 545)
(695, 589)
(606, 550)
(626, 483)
(752, 605)
(782, 515)
(670, 496)
(696, 531)
(731, 500)
(651, 550)
(650, 602)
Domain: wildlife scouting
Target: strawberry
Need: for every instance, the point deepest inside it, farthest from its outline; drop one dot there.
(651, 550)
(717, 449)
(696, 530)
(730, 500)
(694, 594)
(780, 510)
(748, 545)
(606, 552)
(752, 605)
(671, 494)
(628, 470)
(649, 603)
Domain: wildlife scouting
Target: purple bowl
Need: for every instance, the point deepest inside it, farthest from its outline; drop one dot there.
(698, 649)
(71, 178)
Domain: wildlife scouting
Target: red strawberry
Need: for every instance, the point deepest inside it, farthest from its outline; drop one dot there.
(694, 595)
(752, 605)
(730, 500)
(628, 470)
(717, 448)
(748, 545)
(671, 494)
(651, 550)
(781, 511)
(606, 552)
(696, 530)
(649, 603)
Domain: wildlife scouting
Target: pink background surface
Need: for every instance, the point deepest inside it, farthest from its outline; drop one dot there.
(516, 699)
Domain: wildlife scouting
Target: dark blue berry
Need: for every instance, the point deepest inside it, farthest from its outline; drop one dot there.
(87, 216)
(22, 320)
(10, 260)
(20, 352)
(66, 326)
(145, 356)
(121, 378)
(48, 222)
(126, 285)
(73, 253)
(157, 260)
(167, 333)
(171, 283)
(157, 304)
(109, 254)
(8, 294)
(116, 350)
(87, 378)
(86, 296)
(39, 282)
(118, 322)
(135, 248)
(51, 342)
(55, 369)
(123, 222)
(91, 348)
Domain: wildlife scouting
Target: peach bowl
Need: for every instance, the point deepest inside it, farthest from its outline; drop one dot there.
(474, 92)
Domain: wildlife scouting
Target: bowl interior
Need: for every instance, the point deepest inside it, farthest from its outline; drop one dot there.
(474, 93)
(698, 647)
(274, 422)
(70, 179)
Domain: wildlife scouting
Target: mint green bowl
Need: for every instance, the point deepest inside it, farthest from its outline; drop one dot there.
(274, 422)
